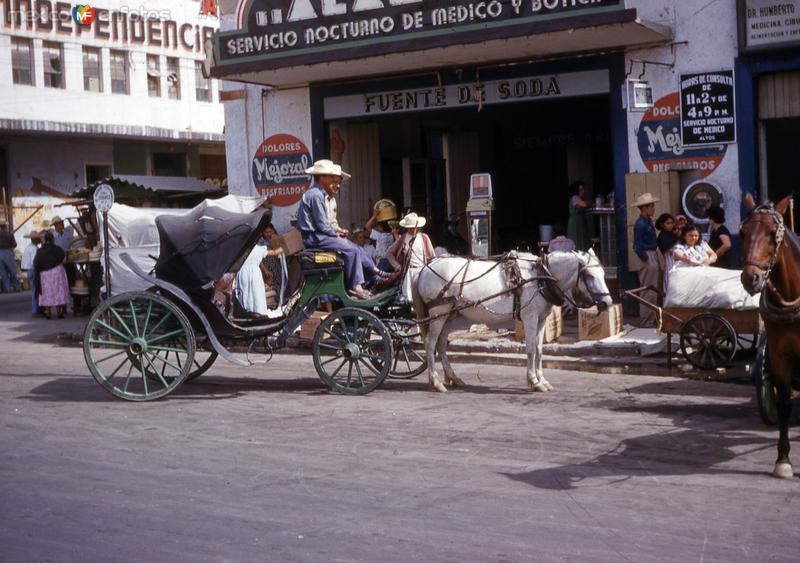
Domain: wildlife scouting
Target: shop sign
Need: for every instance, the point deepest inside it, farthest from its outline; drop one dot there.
(128, 26)
(521, 89)
(659, 140)
(768, 24)
(279, 169)
(313, 31)
(708, 115)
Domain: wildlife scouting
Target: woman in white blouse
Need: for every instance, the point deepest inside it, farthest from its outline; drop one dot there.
(692, 249)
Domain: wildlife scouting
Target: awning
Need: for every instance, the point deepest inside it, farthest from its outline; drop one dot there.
(597, 33)
(133, 185)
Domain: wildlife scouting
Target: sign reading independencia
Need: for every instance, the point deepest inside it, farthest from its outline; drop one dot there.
(276, 32)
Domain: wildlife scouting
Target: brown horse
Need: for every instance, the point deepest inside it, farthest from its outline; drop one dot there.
(772, 267)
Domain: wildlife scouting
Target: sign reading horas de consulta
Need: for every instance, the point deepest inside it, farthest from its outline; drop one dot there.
(708, 116)
(276, 32)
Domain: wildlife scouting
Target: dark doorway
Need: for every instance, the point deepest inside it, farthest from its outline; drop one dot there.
(533, 151)
(783, 153)
(169, 164)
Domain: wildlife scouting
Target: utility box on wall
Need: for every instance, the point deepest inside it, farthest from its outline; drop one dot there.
(663, 185)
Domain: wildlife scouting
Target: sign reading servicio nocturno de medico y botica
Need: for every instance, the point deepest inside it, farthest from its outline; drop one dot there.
(278, 33)
(279, 169)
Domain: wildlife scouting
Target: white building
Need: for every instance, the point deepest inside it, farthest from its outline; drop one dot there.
(413, 96)
(122, 94)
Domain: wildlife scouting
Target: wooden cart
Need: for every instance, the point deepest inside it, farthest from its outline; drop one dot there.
(708, 338)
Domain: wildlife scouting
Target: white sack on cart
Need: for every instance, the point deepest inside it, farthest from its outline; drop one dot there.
(708, 288)
(132, 230)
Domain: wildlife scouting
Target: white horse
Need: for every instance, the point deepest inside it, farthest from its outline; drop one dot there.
(447, 284)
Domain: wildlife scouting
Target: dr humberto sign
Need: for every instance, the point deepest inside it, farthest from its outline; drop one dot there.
(708, 115)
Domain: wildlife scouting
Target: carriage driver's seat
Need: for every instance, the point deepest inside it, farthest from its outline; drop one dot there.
(320, 262)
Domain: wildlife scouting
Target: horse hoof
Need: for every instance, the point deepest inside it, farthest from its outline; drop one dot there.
(783, 471)
(437, 386)
(540, 387)
(456, 382)
(547, 384)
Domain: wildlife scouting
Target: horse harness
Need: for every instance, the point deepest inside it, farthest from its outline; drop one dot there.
(509, 264)
(774, 308)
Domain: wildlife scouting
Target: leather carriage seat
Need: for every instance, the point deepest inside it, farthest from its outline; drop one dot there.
(321, 261)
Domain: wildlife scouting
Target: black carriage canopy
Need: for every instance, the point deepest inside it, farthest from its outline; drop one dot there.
(199, 248)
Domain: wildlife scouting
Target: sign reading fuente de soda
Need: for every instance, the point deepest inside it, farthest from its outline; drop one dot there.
(708, 116)
(277, 32)
(520, 89)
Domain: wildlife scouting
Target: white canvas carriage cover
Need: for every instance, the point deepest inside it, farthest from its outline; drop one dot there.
(708, 287)
(132, 230)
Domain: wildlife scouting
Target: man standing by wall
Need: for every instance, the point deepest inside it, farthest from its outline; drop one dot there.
(644, 245)
(8, 267)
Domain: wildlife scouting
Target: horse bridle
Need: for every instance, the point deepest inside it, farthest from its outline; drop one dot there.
(780, 234)
(596, 296)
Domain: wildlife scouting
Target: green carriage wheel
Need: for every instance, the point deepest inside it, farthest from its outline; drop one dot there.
(204, 358)
(407, 342)
(708, 341)
(138, 346)
(352, 351)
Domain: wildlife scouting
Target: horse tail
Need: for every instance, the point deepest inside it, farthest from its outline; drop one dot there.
(420, 308)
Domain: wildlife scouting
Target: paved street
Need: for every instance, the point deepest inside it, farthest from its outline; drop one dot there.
(263, 464)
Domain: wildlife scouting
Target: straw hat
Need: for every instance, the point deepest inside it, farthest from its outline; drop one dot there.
(413, 221)
(645, 199)
(56, 219)
(325, 166)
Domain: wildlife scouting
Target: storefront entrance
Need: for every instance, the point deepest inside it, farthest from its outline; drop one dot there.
(533, 150)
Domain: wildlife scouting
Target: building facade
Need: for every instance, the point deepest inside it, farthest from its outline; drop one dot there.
(412, 97)
(116, 89)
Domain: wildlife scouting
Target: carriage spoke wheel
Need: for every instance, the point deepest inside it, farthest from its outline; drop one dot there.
(204, 358)
(139, 346)
(708, 341)
(766, 394)
(407, 342)
(352, 351)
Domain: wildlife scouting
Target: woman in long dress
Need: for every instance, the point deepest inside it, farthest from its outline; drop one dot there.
(576, 227)
(51, 277)
(413, 250)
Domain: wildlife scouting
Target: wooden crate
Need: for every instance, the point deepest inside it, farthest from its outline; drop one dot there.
(553, 328)
(309, 326)
(663, 185)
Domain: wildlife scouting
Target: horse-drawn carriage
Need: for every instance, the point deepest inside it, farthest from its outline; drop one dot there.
(141, 345)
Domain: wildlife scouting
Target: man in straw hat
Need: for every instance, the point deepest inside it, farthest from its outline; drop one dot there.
(644, 245)
(26, 265)
(318, 233)
(8, 267)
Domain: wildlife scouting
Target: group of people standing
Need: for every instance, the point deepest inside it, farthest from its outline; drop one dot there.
(680, 245)
(45, 264)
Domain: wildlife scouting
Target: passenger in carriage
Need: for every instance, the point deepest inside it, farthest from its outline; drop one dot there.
(318, 233)
(412, 251)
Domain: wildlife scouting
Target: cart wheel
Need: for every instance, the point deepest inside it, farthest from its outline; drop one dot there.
(138, 346)
(352, 351)
(708, 341)
(204, 358)
(407, 342)
(766, 396)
